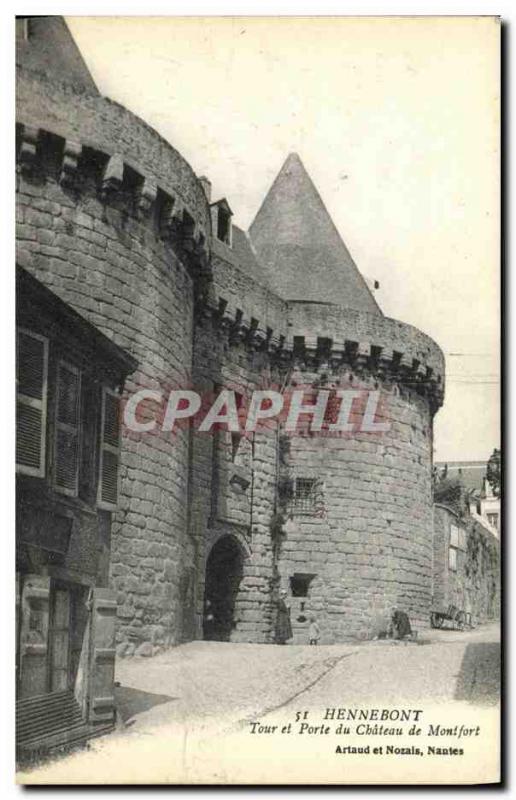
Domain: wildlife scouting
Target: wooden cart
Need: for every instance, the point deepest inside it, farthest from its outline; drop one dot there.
(453, 618)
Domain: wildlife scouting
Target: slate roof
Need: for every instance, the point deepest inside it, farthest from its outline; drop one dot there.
(51, 50)
(299, 247)
(242, 256)
(472, 473)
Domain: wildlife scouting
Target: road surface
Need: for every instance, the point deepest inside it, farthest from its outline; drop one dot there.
(185, 713)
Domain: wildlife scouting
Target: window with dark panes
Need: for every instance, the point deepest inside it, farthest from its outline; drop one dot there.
(224, 226)
(31, 402)
(493, 520)
(300, 583)
(67, 429)
(109, 450)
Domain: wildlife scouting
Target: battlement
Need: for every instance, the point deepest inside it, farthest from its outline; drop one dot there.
(315, 336)
(103, 144)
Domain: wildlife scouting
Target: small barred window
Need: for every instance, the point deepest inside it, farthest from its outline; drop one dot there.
(304, 495)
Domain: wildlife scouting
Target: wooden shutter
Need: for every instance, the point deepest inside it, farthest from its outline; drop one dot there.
(67, 429)
(109, 450)
(34, 635)
(102, 669)
(31, 402)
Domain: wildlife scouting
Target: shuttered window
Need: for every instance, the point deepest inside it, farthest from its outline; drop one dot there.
(109, 450)
(67, 429)
(31, 402)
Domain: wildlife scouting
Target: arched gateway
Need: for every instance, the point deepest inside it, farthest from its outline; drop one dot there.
(224, 571)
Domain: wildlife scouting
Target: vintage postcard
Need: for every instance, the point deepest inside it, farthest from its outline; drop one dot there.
(258, 453)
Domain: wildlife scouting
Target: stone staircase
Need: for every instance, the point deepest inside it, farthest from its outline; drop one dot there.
(52, 721)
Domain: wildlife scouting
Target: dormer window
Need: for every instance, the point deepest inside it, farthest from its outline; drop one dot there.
(223, 226)
(221, 221)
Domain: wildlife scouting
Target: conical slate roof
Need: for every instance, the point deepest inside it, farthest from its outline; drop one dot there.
(50, 49)
(300, 248)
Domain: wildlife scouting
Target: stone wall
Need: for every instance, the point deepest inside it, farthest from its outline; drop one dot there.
(221, 506)
(367, 541)
(474, 585)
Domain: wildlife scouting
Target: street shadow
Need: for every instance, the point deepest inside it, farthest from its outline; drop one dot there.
(478, 681)
(131, 702)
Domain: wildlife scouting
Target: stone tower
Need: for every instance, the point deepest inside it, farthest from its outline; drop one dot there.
(114, 220)
(359, 505)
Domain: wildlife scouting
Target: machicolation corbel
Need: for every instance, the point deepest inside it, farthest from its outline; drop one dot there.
(147, 196)
(113, 177)
(171, 218)
(71, 155)
(28, 149)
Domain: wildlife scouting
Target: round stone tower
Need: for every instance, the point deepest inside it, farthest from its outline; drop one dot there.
(358, 505)
(115, 222)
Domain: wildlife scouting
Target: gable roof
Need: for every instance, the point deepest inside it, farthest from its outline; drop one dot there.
(34, 296)
(241, 255)
(471, 473)
(300, 248)
(222, 203)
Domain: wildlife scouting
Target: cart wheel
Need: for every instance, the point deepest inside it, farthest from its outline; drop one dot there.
(436, 620)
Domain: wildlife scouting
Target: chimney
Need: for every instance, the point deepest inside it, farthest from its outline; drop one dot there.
(206, 185)
(372, 283)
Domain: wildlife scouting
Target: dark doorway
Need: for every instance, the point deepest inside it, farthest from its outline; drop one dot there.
(224, 570)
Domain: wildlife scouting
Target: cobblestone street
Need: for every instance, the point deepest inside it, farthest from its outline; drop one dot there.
(203, 694)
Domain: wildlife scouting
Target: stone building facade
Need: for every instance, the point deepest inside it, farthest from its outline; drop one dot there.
(69, 376)
(209, 528)
(466, 565)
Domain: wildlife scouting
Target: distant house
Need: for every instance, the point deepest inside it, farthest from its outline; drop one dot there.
(484, 506)
(69, 378)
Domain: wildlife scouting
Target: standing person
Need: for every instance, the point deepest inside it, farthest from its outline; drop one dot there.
(209, 621)
(283, 626)
(468, 609)
(314, 632)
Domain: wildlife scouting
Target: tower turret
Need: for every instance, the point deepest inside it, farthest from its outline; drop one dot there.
(300, 247)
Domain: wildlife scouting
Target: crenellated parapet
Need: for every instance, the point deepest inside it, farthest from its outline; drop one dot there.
(368, 344)
(240, 327)
(321, 337)
(103, 147)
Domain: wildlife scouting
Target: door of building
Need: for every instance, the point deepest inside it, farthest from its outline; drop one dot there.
(224, 572)
(52, 624)
(33, 635)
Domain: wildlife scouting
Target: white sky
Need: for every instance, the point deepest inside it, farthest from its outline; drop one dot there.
(396, 121)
